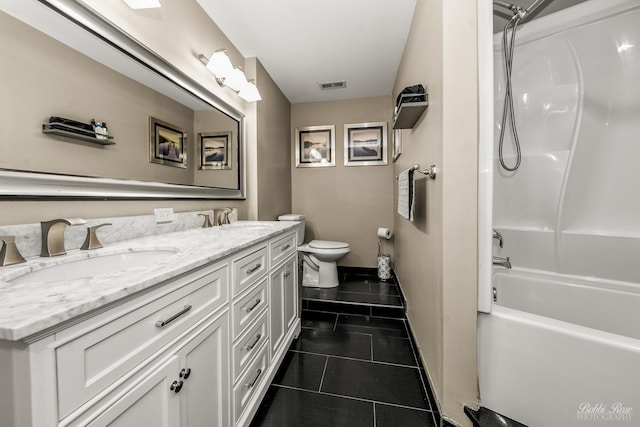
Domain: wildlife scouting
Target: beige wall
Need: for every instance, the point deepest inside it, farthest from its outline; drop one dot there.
(436, 255)
(274, 160)
(344, 203)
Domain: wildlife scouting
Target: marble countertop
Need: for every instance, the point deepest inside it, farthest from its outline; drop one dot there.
(30, 308)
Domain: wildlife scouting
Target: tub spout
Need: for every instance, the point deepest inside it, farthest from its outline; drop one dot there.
(503, 262)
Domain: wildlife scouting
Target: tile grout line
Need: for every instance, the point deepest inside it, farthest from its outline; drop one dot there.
(356, 359)
(324, 371)
(335, 325)
(374, 415)
(415, 356)
(360, 399)
(372, 359)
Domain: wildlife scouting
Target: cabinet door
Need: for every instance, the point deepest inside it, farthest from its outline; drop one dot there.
(204, 369)
(150, 403)
(283, 302)
(290, 293)
(276, 308)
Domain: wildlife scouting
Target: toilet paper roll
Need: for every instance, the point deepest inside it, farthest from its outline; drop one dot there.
(385, 233)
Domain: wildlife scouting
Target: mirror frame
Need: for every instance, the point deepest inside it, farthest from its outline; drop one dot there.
(21, 185)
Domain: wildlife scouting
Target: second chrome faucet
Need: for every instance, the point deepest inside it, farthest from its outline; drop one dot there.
(53, 235)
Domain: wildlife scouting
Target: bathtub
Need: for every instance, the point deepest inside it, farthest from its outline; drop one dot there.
(559, 350)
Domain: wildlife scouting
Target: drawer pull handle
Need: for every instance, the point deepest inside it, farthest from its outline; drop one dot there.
(285, 247)
(250, 309)
(255, 380)
(185, 373)
(253, 269)
(286, 274)
(176, 386)
(163, 323)
(253, 344)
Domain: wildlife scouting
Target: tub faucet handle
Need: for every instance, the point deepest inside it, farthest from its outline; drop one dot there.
(91, 241)
(9, 254)
(497, 235)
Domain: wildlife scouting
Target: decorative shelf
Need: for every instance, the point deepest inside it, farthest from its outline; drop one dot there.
(409, 113)
(74, 132)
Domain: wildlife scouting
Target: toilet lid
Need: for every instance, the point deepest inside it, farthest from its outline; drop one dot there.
(327, 244)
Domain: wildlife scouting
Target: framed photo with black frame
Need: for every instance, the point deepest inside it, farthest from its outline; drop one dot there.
(167, 144)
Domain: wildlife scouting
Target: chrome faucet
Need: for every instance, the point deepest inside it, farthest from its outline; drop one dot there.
(53, 235)
(497, 235)
(9, 254)
(223, 216)
(503, 262)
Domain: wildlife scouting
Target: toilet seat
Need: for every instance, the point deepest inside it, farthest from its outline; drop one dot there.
(327, 244)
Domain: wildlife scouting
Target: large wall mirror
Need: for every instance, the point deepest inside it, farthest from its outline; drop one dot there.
(171, 137)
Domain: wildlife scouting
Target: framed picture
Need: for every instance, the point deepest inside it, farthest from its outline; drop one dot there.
(397, 143)
(365, 144)
(214, 150)
(167, 144)
(315, 146)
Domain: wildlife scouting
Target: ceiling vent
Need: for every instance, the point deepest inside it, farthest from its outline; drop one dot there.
(333, 85)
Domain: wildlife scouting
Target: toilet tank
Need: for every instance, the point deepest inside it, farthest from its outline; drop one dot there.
(295, 217)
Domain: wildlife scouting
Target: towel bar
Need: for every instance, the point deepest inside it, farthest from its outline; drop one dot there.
(430, 172)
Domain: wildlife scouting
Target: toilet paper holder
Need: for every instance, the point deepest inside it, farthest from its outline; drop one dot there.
(429, 172)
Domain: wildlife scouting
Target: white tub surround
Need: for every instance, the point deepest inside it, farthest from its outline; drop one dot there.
(192, 339)
(561, 345)
(572, 207)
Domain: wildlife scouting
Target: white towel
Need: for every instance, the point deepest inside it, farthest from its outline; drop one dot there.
(406, 195)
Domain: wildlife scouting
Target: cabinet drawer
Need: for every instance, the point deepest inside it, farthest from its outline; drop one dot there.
(249, 344)
(282, 248)
(91, 362)
(249, 382)
(249, 307)
(248, 268)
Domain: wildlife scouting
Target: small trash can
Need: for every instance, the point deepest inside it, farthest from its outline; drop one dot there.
(384, 266)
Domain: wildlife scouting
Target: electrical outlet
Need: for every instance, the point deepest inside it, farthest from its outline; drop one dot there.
(163, 215)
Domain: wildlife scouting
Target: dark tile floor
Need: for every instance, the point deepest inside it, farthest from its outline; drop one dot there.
(350, 370)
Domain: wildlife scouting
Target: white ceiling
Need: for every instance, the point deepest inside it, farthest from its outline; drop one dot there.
(303, 42)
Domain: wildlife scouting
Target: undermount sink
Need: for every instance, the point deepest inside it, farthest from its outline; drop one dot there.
(246, 225)
(95, 266)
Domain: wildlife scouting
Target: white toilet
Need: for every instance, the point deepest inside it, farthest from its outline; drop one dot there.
(319, 257)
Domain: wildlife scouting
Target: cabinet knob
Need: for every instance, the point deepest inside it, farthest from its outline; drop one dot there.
(185, 373)
(287, 274)
(176, 386)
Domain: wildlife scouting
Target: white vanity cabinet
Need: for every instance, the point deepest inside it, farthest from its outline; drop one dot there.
(190, 388)
(197, 350)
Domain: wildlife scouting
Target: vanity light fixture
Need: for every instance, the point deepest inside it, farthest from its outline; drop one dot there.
(228, 75)
(142, 4)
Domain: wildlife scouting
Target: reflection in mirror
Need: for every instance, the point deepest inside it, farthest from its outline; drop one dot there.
(42, 77)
